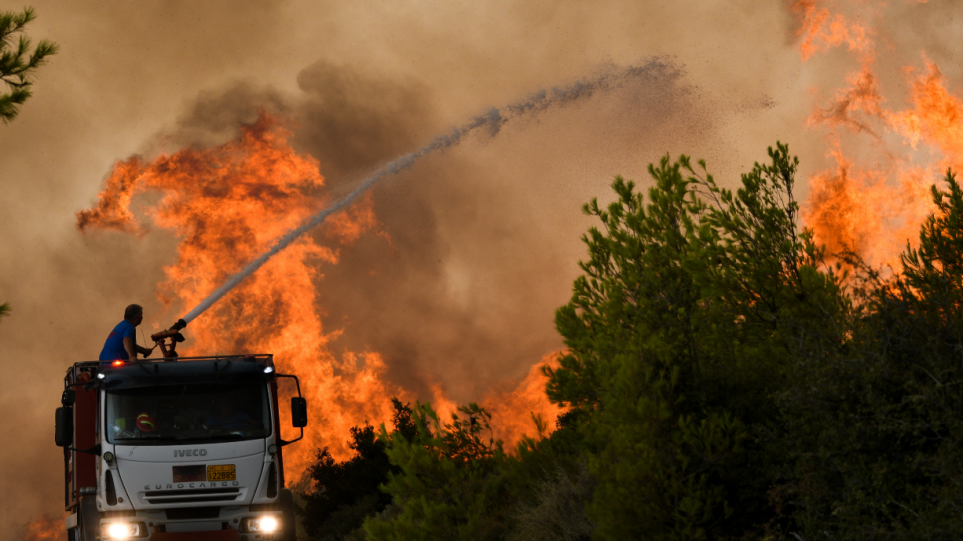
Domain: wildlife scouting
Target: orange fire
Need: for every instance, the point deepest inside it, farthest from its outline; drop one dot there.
(513, 412)
(936, 117)
(44, 529)
(875, 211)
(228, 204)
(820, 29)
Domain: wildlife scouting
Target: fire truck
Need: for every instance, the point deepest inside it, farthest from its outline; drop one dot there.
(176, 449)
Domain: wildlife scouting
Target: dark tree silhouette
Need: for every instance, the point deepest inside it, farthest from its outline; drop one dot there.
(346, 493)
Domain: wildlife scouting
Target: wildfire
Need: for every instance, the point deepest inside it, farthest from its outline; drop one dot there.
(513, 411)
(228, 204)
(820, 29)
(937, 115)
(44, 529)
(875, 211)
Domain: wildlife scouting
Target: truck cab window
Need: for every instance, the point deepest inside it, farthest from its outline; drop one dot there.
(187, 413)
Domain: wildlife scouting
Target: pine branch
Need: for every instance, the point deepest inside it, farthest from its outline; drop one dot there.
(17, 64)
(12, 22)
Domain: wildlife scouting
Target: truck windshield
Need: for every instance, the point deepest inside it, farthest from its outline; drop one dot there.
(188, 412)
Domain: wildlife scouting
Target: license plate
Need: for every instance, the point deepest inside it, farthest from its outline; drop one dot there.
(221, 472)
(188, 474)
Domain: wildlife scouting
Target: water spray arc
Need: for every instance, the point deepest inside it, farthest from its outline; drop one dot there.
(492, 121)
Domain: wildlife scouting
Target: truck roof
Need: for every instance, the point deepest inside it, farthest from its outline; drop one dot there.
(139, 373)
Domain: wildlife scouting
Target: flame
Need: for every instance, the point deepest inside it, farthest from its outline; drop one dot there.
(875, 211)
(113, 205)
(836, 205)
(228, 204)
(44, 529)
(861, 97)
(820, 30)
(513, 411)
(850, 206)
(936, 117)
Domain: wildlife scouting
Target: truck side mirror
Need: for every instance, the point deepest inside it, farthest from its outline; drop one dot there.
(64, 427)
(299, 412)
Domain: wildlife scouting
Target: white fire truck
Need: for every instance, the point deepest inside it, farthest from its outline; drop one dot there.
(176, 449)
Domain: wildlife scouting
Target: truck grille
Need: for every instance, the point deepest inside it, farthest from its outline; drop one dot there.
(159, 497)
(191, 513)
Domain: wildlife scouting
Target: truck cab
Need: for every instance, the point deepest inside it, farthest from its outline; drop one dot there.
(176, 450)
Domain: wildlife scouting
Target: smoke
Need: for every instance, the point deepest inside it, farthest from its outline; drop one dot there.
(473, 248)
(424, 292)
(492, 121)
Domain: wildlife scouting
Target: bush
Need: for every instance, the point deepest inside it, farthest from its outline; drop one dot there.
(346, 493)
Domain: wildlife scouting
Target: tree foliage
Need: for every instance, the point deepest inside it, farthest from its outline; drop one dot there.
(450, 485)
(721, 382)
(874, 433)
(679, 333)
(453, 480)
(346, 493)
(17, 62)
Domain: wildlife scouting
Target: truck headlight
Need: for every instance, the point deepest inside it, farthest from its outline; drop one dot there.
(123, 530)
(265, 524)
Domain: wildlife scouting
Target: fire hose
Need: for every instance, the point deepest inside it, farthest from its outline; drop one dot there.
(173, 335)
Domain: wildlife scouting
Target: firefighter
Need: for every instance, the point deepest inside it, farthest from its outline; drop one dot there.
(121, 344)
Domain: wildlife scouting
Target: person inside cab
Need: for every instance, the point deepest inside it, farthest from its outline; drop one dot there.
(121, 344)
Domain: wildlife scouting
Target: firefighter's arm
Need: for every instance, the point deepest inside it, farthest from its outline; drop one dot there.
(129, 346)
(143, 350)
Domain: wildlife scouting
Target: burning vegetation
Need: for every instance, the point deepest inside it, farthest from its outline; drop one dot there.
(228, 204)
(737, 365)
(44, 529)
(723, 380)
(873, 210)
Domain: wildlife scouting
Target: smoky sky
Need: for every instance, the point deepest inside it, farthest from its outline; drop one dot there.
(476, 246)
(455, 288)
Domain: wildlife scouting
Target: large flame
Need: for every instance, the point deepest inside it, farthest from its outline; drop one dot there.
(936, 117)
(228, 204)
(856, 210)
(874, 211)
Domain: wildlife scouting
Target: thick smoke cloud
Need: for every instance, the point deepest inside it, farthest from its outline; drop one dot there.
(655, 83)
(476, 246)
(460, 288)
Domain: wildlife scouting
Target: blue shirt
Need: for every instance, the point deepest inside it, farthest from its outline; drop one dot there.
(114, 346)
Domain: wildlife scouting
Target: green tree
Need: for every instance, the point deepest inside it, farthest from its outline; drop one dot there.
(451, 484)
(17, 63)
(874, 433)
(679, 333)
